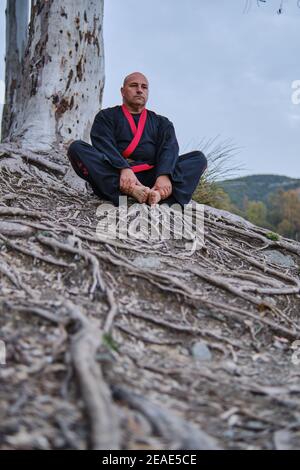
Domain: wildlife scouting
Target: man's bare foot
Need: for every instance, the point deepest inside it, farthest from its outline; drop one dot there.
(140, 193)
(153, 197)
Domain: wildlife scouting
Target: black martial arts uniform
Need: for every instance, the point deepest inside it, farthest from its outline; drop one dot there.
(101, 162)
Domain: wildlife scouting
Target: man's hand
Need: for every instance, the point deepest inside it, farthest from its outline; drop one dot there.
(164, 186)
(128, 180)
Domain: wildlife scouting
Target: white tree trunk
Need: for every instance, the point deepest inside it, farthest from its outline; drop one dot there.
(63, 74)
(16, 39)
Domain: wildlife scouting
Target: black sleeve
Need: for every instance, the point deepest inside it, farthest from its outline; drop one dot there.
(103, 139)
(168, 150)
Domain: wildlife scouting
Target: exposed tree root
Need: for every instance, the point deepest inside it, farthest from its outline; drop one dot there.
(96, 395)
(172, 340)
(179, 433)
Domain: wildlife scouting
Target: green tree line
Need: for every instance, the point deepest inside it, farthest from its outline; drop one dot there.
(279, 213)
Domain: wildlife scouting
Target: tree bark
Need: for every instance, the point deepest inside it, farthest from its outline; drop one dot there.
(16, 39)
(62, 76)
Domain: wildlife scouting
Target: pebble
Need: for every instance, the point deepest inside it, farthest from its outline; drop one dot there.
(201, 352)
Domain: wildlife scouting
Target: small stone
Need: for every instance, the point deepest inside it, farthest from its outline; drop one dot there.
(282, 439)
(230, 433)
(261, 357)
(201, 352)
(149, 262)
(271, 301)
(201, 313)
(233, 420)
(276, 257)
(255, 425)
(15, 229)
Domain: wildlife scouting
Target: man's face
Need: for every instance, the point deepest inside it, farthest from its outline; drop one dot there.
(135, 91)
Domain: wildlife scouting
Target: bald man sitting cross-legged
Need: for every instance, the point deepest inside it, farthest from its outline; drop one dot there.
(134, 151)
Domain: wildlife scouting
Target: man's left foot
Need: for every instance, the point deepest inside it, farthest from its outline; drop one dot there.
(140, 193)
(153, 197)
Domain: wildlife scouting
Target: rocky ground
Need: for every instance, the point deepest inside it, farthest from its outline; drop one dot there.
(139, 343)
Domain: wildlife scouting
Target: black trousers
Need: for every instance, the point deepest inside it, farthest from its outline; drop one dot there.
(91, 165)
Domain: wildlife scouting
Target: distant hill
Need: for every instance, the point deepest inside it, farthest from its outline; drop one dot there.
(256, 187)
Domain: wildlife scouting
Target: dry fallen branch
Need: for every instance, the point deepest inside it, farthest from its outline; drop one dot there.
(179, 433)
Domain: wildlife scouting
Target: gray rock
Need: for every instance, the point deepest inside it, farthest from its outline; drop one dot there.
(282, 439)
(202, 313)
(255, 425)
(201, 352)
(71, 179)
(279, 258)
(148, 262)
(15, 229)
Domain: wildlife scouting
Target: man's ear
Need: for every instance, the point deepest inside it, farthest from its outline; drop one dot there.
(122, 89)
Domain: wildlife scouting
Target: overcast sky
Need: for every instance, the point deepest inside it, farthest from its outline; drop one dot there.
(214, 70)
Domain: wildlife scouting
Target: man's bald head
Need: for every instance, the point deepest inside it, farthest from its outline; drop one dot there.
(133, 76)
(135, 92)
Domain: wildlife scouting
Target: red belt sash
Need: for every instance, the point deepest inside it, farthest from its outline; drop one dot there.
(137, 133)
